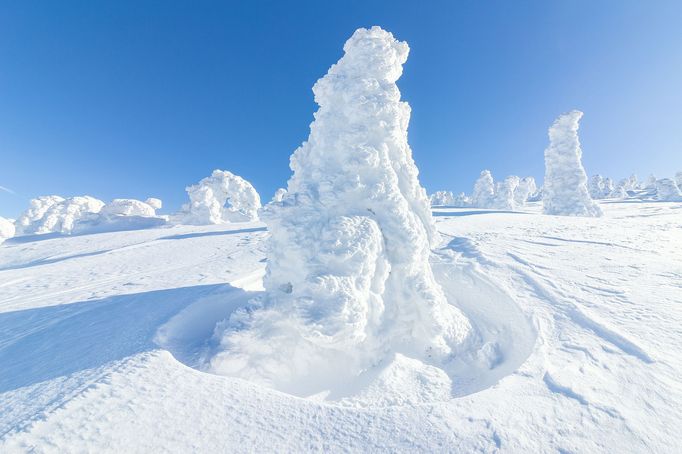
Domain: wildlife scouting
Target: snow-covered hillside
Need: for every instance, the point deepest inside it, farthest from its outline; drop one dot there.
(578, 321)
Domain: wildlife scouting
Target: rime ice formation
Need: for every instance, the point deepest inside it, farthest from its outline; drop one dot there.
(49, 214)
(128, 207)
(504, 193)
(484, 191)
(461, 200)
(524, 190)
(7, 229)
(667, 190)
(678, 179)
(155, 203)
(121, 214)
(565, 188)
(279, 195)
(596, 186)
(348, 278)
(221, 198)
(442, 198)
(650, 182)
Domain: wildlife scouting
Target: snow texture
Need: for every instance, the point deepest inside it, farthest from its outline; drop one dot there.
(7, 229)
(524, 190)
(678, 179)
(504, 193)
(442, 198)
(348, 275)
(484, 191)
(280, 193)
(155, 203)
(121, 214)
(221, 198)
(55, 214)
(667, 190)
(565, 188)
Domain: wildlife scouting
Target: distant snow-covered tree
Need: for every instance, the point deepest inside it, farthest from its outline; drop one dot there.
(484, 191)
(221, 198)
(667, 190)
(7, 229)
(442, 198)
(524, 190)
(565, 187)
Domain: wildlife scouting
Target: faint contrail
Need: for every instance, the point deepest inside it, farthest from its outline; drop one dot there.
(8, 190)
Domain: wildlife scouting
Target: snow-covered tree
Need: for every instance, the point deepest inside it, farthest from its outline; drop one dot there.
(128, 207)
(442, 198)
(484, 191)
(155, 203)
(49, 214)
(503, 198)
(595, 186)
(348, 274)
(279, 195)
(221, 198)
(650, 182)
(461, 200)
(7, 229)
(525, 189)
(565, 187)
(678, 179)
(667, 190)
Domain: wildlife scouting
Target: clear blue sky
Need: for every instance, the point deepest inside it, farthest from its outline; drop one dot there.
(138, 99)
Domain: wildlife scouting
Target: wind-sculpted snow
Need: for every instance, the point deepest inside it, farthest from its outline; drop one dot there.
(122, 214)
(667, 191)
(442, 198)
(279, 195)
(50, 214)
(678, 179)
(7, 229)
(504, 193)
(484, 191)
(524, 190)
(155, 203)
(348, 275)
(565, 188)
(221, 198)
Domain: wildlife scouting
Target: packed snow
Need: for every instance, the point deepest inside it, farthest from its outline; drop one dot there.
(565, 186)
(221, 198)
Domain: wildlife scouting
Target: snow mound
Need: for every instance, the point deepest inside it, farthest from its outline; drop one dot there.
(667, 190)
(121, 214)
(565, 188)
(128, 207)
(221, 198)
(48, 214)
(7, 229)
(348, 275)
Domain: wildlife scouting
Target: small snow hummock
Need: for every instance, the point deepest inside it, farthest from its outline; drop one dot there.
(348, 276)
(122, 214)
(667, 190)
(221, 198)
(565, 188)
(55, 214)
(7, 229)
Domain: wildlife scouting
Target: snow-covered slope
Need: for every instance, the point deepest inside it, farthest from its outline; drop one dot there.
(99, 333)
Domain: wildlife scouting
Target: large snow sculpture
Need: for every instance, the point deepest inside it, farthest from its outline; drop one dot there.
(7, 229)
(49, 214)
(348, 277)
(484, 191)
(667, 190)
(565, 188)
(223, 197)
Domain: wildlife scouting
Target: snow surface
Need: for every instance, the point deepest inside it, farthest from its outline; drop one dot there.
(221, 198)
(565, 186)
(582, 317)
(348, 284)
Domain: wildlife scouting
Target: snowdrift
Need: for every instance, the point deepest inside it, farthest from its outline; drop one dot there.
(348, 276)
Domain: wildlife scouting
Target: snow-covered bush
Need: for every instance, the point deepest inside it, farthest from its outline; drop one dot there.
(348, 275)
(7, 229)
(667, 190)
(128, 207)
(121, 214)
(442, 198)
(484, 191)
(49, 214)
(524, 190)
(221, 198)
(279, 195)
(565, 187)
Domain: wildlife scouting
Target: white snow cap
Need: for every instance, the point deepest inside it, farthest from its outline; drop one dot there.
(53, 213)
(667, 190)
(221, 198)
(348, 275)
(7, 229)
(484, 191)
(565, 187)
(128, 207)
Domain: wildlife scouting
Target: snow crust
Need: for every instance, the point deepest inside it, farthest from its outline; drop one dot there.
(48, 214)
(348, 276)
(565, 187)
(221, 198)
(7, 229)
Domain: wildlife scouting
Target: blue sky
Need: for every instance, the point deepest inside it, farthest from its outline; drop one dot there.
(139, 99)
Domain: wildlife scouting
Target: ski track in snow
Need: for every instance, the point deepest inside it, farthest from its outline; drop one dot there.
(582, 317)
